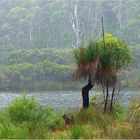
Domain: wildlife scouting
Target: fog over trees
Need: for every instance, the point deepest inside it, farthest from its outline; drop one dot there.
(60, 23)
(37, 38)
(69, 69)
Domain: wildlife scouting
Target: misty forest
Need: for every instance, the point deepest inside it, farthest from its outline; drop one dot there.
(69, 69)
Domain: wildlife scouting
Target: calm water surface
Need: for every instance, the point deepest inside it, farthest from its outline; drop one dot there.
(61, 99)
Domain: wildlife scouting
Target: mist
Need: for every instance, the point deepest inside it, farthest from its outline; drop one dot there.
(37, 39)
(69, 69)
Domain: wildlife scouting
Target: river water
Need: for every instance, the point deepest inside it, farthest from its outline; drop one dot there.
(60, 100)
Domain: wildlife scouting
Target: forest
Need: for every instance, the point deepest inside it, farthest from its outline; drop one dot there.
(37, 39)
(69, 69)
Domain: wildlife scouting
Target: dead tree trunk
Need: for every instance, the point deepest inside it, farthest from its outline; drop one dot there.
(85, 93)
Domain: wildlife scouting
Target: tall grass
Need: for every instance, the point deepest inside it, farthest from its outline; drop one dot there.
(26, 119)
(76, 131)
(134, 118)
(9, 131)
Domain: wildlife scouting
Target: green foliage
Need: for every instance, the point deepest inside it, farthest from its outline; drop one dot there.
(89, 124)
(60, 56)
(86, 53)
(76, 132)
(53, 121)
(10, 131)
(134, 115)
(115, 54)
(24, 109)
(119, 112)
(37, 69)
(50, 21)
(95, 117)
(28, 111)
(121, 133)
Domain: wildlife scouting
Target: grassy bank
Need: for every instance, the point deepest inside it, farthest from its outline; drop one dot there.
(25, 118)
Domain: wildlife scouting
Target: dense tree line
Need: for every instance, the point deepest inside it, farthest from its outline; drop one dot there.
(48, 68)
(59, 23)
(34, 33)
(36, 69)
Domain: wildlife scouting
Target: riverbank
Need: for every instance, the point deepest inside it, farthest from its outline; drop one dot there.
(24, 118)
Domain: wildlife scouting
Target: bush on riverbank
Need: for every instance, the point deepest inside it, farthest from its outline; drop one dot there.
(25, 118)
(48, 68)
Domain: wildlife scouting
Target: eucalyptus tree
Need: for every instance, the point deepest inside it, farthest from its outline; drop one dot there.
(18, 22)
(59, 23)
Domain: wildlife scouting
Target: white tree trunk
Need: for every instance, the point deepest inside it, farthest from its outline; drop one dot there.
(75, 24)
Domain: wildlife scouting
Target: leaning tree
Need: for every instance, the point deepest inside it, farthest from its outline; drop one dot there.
(100, 62)
(87, 59)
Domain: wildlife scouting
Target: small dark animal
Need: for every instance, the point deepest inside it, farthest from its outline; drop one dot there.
(68, 120)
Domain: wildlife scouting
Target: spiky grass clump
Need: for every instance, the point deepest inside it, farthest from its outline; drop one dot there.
(100, 61)
(86, 53)
(87, 59)
(23, 109)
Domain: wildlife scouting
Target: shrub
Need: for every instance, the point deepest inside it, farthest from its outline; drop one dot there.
(52, 120)
(24, 109)
(27, 112)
